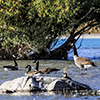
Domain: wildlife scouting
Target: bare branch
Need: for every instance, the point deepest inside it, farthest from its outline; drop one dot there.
(81, 19)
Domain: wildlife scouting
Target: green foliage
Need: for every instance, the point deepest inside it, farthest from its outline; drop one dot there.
(38, 22)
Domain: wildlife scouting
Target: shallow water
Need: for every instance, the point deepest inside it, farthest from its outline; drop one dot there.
(90, 48)
(92, 79)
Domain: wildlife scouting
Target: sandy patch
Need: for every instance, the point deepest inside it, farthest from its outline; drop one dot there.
(86, 36)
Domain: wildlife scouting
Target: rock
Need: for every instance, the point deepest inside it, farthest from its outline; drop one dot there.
(20, 84)
(38, 83)
(68, 85)
(58, 85)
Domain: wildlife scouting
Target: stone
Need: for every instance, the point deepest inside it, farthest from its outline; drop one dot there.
(41, 83)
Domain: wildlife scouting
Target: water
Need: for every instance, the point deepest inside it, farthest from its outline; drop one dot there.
(90, 48)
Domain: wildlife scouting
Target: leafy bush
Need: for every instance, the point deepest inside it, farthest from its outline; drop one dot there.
(36, 23)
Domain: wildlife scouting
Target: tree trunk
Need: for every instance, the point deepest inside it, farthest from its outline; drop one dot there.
(59, 53)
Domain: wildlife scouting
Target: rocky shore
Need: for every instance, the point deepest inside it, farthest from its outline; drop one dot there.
(41, 83)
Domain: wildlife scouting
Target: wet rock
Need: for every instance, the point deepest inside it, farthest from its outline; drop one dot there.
(20, 84)
(98, 92)
(38, 83)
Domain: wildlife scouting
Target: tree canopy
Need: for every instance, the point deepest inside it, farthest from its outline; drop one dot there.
(37, 23)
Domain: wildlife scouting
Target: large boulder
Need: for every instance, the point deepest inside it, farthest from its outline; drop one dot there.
(39, 83)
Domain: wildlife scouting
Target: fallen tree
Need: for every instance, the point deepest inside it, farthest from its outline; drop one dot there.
(61, 52)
